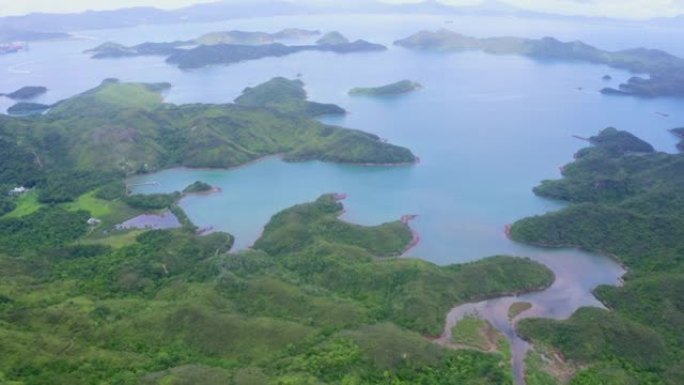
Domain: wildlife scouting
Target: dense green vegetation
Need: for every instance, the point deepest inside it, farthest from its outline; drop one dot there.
(254, 38)
(517, 308)
(205, 55)
(116, 50)
(627, 204)
(121, 128)
(152, 201)
(316, 301)
(400, 87)
(233, 47)
(47, 227)
(65, 186)
(18, 165)
(666, 72)
(198, 187)
(172, 307)
(287, 96)
(475, 333)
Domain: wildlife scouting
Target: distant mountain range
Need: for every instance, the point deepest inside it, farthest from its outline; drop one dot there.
(41, 26)
(38, 26)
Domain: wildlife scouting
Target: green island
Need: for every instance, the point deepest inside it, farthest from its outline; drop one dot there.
(125, 128)
(286, 96)
(625, 201)
(229, 47)
(398, 88)
(332, 38)
(244, 38)
(198, 187)
(28, 92)
(665, 71)
(254, 38)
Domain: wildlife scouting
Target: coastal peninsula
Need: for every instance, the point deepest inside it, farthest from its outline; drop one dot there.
(625, 200)
(230, 47)
(398, 88)
(665, 71)
(25, 93)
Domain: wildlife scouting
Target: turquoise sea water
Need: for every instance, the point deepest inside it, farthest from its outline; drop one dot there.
(487, 129)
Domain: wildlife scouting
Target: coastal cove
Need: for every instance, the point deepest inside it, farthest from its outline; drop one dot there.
(248, 200)
(483, 143)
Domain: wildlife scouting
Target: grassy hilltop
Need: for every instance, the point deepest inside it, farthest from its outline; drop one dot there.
(666, 72)
(118, 129)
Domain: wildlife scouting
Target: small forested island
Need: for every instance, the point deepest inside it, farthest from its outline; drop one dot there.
(627, 201)
(198, 187)
(25, 108)
(228, 47)
(332, 38)
(28, 92)
(235, 37)
(619, 142)
(666, 71)
(254, 38)
(286, 96)
(398, 88)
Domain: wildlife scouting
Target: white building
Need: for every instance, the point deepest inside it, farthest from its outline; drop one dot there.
(18, 190)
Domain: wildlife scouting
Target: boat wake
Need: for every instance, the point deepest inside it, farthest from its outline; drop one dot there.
(16, 69)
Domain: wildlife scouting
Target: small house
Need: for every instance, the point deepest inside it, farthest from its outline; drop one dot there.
(18, 190)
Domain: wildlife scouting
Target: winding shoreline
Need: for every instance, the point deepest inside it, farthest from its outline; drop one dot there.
(415, 235)
(494, 308)
(279, 156)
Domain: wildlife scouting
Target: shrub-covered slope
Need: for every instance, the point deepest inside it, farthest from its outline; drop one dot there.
(172, 307)
(627, 202)
(122, 128)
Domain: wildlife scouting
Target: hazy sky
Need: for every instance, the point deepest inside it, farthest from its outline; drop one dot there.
(613, 8)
